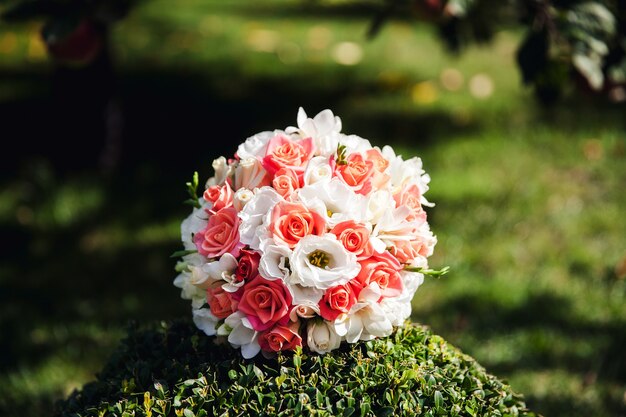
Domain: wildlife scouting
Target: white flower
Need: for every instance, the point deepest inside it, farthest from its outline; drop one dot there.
(411, 281)
(354, 143)
(241, 334)
(304, 296)
(241, 198)
(396, 309)
(195, 222)
(252, 215)
(322, 337)
(274, 261)
(365, 323)
(322, 262)
(393, 225)
(249, 174)
(222, 170)
(211, 272)
(205, 321)
(189, 291)
(378, 203)
(405, 173)
(366, 319)
(318, 170)
(305, 311)
(324, 128)
(255, 146)
(335, 201)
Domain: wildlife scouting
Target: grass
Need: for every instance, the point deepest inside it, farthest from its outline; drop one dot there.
(529, 213)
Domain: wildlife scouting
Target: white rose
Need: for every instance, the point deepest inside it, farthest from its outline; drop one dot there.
(205, 321)
(318, 170)
(305, 311)
(334, 201)
(241, 198)
(322, 337)
(252, 215)
(255, 146)
(222, 171)
(322, 262)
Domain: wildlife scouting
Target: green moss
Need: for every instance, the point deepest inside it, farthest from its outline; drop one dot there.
(173, 369)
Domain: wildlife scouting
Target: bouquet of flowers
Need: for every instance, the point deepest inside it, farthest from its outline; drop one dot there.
(306, 237)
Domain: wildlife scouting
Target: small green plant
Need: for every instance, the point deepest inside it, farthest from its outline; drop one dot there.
(174, 370)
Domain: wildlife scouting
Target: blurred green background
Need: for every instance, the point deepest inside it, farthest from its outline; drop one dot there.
(531, 201)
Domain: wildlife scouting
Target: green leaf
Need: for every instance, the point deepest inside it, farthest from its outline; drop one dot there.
(181, 253)
(192, 189)
(430, 272)
(438, 399)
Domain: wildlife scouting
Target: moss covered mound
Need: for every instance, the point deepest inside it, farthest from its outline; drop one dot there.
(172, 369)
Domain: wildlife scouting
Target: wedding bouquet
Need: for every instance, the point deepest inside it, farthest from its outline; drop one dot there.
(307, 236)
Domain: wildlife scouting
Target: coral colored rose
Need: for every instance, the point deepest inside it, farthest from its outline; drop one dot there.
(411, 198)
(221, 303)
(356, 173)
(220, 236)
(355, 238)
(248, 265)
(280, 338)
(338, 300)
(404, 250)
(379, 178)
(220, 196)
(265, 303)
(292, 221)
(285, 182)
(382, 269)
(282, 152)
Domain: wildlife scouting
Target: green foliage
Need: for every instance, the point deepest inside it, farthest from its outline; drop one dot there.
(174, 369)
(192, 190)
(575, 41)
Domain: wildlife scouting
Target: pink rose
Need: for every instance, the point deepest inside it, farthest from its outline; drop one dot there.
(338, 300)
(356, 173)
(248, 266)
(265, 303)
(282, 152)
(407, 250)
(220, 236)
(280, 338)
(411, 198)
(292, 221)
(382, 269)
(220, 196)
(286, 182)
(355, 238)
(220, 302)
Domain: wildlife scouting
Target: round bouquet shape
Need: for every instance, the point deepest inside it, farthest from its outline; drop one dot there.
(306, 237)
